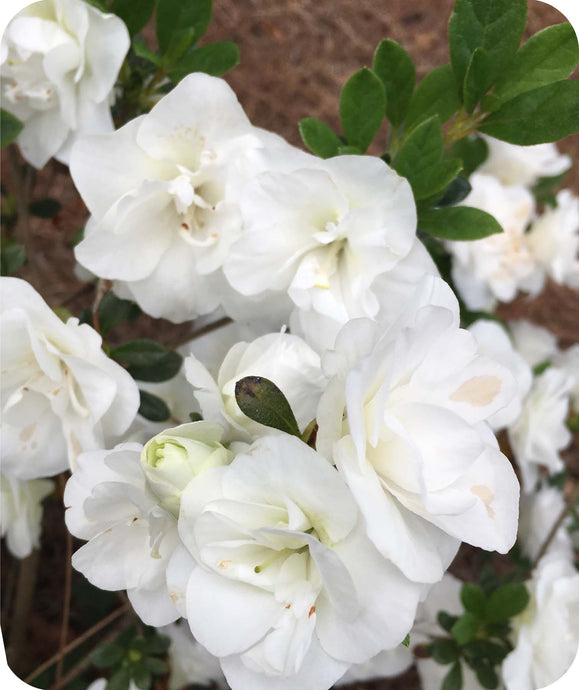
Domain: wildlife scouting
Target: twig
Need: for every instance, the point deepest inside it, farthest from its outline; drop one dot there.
(86, 661)
(103, 286)
(65, 610)
(24, 598)
(555, 528)
(81, 639)
(215, 325)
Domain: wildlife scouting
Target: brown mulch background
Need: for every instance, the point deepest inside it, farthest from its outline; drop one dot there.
(296, 55)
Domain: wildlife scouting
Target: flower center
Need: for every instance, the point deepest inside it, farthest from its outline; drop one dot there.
(192, 208)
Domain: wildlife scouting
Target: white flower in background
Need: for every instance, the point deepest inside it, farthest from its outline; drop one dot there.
(21, 512)
(568, 360)
(163, 198)
(280, 357)
(546, 633)
(493, 341)
(534, 343)
(60, 393)
(554, 240)
(496, 267)
(539, 512)
(191, 664)
(101, 684)
(540, 433)
(522, 165)
(404, 421)
(59, 60)
(290, 592)
(324, 232)
(386, 664)
(113, 502)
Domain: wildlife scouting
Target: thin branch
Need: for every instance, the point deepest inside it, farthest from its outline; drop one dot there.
(209, 328)
(65, 611)
(103, 286)
(20, 615)
(81, 639)
(86, 661)
(555, 528)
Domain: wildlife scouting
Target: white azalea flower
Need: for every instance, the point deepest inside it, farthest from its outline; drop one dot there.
(522, 165)
(540, 433)
(289, 591)
(404, 421)
(280, 357)
(191, 664)
(60, 393)
(546, 633)
(534, 343)
(163, 192)
(568, 360)
(554, 240)
(58, 66)
(21, 512)
(539, 512)
(324, 232)
(132, 542)
(386, 664)
(493, 341)
(496, 267)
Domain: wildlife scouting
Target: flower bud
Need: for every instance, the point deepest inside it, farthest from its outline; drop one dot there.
(171, 459)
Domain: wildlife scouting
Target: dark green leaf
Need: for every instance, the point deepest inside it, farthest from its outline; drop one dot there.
(487, 677)
(542, 115)
(261, 400)
(120, 680)
(108, 655)
(558, 479)
(319, 137)
(163, 370)
(538, 369)
(435, 95)
(114, 310)
(143, 51)
(495, 25)
(466, 627)
(156, 666)
(546, 186)
(142, 677)
(181, 41)
(476, 81)
(459, 223)
(456, 192)
(214, 59)
(362, 106)
(406, 641)
(444, 651)
(140, 353)
(12, 257)
(156, 643)
(473, 151)
(135, 14)
(349, 151)
(493, 652)
(500, 629)
(176, 16)
(77, 237)
(396, 70)
(44, 208)
(446, 621)
(507, 601)
(548, 56)
(473, 599)
(10, 128)
(453, 679)
(195, 416)
(153, 408)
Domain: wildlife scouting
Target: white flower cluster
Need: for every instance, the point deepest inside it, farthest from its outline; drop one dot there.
(59, 61)
(534, 245)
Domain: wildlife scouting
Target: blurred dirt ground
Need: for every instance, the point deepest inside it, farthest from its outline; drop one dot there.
(296, 55)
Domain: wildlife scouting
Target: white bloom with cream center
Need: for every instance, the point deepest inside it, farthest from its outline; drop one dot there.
(60, 393)
(59, 61)
(404, 419)
(289, 591)
(163, 192)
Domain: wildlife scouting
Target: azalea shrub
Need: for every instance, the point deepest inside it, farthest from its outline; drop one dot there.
(275, 502)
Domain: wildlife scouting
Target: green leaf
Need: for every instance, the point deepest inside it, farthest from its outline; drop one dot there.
(108, 655)
(214, 59)
(143, 51)
(542, 115)
(507, 601)
(195, 416)
(45, 208)
(495, 25)
(473, 599)
(476, 79)
(458, 223)
(456, 192)
(10, 128)
(435, 95)
(319, 137)
(558, 479)
(546, 186)
(550, 55)
(349, 151)
(142, 677)
(12, 257)
(163, 370)
(487, 677)
(396, 70)
(181, 41)
(140, 353)
(446, 621)
(136, 15)
(473, 151)
(114, 310)
(157, 644)
(156, 666)
(453, 679)
(176, 16)
(466, 627)
(493, 652)
(406, 641)
(444, 651)
(261, 400)
(541, 367)
(120, 680)
(362, 106)
(153, 408)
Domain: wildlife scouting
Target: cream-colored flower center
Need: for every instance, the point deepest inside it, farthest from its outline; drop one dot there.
(192, 207)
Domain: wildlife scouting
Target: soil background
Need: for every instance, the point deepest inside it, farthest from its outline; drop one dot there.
(295, 57)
